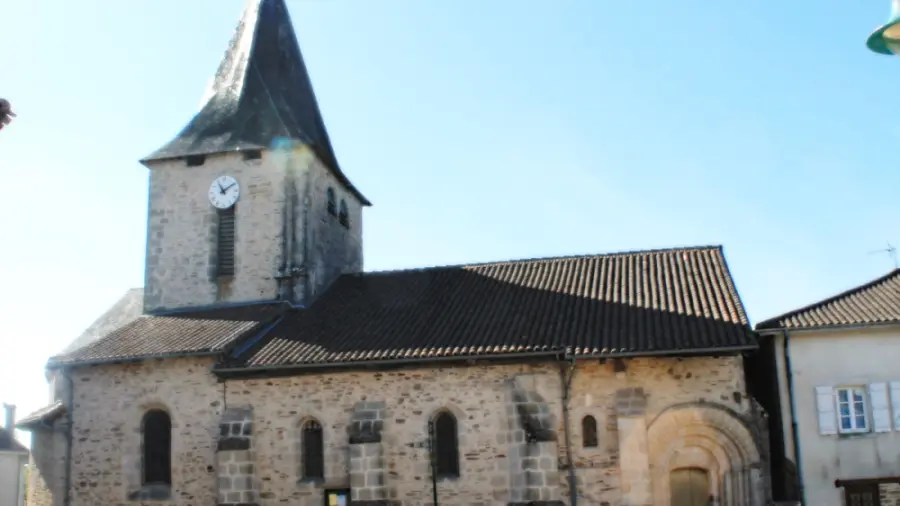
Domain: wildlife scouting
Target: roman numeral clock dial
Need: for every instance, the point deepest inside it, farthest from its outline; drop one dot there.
(224, 192)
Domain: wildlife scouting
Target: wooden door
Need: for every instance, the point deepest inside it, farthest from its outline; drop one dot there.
(689, 487)
(862, 495)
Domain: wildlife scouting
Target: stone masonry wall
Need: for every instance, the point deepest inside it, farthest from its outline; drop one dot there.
(110, 401)
(181, 230)
(333, 249)
(890, 494)
(45, 481)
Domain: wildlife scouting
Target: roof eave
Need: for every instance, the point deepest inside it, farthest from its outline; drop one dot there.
(827, 328)
(558, 355)
(131, 359)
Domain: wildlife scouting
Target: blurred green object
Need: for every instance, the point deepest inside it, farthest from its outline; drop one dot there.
(886, 38)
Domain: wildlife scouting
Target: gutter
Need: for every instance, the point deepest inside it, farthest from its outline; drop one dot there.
(70, 400)
(566, 380)
(832, 328)
(139, 358)
(795, 430)
(662, 353)
(387, 363)
(559, 354)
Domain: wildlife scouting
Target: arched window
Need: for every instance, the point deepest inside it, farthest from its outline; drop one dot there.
(445, 446)
(344, 216)
(332, 206)
(156, 429)
(589, 432)
(313, 451)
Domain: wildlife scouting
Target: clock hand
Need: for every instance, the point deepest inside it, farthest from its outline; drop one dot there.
(228, 187)
(221, 190)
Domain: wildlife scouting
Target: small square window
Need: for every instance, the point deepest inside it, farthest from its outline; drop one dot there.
(852, 410)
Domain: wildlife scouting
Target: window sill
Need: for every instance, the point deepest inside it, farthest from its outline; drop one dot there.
(157, 492)
(856, 434)
(316, 482)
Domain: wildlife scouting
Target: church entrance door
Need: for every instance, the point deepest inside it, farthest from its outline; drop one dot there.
(689, 487)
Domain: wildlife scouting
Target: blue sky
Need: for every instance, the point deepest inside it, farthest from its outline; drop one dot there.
(480, 130)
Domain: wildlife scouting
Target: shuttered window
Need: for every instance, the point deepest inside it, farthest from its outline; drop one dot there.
(225, 243)
(825, 408)
(881, 410)
(895, 403)
(852, 410)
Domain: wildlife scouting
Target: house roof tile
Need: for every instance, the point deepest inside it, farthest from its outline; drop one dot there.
(184, 333)
(874, 303)
(676, 301)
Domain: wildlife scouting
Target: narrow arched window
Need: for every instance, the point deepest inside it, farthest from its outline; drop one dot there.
(313, 448)
(332, 205)
(156, 430)
(445, 445)
(344, 216)
(589, 432)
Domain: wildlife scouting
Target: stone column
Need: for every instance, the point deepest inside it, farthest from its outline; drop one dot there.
(235, 460)
(634, 461)
(367, 468)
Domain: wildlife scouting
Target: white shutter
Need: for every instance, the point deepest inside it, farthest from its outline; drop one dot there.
(895, 402)
(825, 407)
(881, 410)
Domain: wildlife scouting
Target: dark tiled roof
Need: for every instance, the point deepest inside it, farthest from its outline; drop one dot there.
(261, 92)
(45, 415)
(677, 301)
(876, 302)
(184, 333)
(8, 443)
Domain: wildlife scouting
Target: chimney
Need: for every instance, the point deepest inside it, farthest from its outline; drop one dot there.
(10, 416)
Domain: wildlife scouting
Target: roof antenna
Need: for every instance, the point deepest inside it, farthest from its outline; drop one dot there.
(891, 252)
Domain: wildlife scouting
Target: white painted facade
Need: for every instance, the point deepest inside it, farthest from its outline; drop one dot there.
(842, 388)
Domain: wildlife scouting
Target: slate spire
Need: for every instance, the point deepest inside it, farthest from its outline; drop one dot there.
(261, 91)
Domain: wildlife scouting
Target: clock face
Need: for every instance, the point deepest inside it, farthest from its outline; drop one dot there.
(223, 192)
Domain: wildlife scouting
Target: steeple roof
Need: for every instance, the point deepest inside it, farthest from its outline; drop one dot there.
(261, 91)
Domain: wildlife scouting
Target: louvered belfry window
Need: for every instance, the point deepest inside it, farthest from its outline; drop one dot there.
(313, 451)
(157, 448)
(225, 243)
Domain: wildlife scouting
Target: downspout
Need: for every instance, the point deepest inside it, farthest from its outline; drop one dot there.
(566, 380)
(70, 405)
(795, 432)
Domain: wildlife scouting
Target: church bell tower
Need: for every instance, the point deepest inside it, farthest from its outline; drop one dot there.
(248, 203)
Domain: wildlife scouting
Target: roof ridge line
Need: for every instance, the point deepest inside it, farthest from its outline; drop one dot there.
(846, 293)
(673, 249)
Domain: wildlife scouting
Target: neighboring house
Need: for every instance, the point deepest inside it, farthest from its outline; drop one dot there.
(836, 367)
(13, 459)
(267, 368)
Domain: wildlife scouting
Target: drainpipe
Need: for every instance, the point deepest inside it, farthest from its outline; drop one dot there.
(70, 405)
(794, 428)
(566, 380)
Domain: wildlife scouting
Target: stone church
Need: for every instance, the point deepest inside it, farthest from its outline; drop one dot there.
(261, 365)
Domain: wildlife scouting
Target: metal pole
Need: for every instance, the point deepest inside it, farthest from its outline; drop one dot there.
(432, 456)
